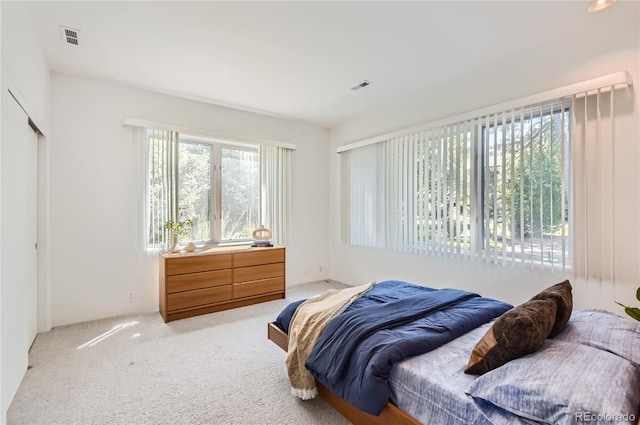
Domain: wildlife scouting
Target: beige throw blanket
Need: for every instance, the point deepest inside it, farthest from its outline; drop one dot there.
(307, 323)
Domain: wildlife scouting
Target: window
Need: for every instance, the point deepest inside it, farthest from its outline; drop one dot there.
(217, 188)
(525, 185)
(226, 188)
(240, 203)
(539, 180)
(201, 165)
(195, 186)
(493, 188)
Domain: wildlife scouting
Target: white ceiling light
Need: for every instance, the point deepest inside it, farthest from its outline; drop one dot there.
(600, 5)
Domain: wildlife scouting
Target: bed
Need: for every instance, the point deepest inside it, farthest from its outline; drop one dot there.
(539, 362)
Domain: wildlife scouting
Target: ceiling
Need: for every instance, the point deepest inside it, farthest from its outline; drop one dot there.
(299, 60)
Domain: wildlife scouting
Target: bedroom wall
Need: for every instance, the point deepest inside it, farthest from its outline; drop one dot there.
(95, 260)
(611, 44)
(24, 70)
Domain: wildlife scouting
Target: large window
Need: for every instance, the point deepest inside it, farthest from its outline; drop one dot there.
(537, 181)
(493, 188)
(218, 189)
(213, 184)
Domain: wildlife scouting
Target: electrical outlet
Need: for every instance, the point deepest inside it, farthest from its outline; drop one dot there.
(130, 296)
(320, 268)
(306, 270)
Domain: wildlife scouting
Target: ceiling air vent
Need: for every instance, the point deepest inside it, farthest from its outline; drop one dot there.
(69, 35)
(362, 85)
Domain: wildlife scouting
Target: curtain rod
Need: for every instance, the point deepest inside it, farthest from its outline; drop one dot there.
(218, 135)
(615, 79)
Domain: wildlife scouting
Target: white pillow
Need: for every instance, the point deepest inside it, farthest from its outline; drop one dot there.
(562, 383)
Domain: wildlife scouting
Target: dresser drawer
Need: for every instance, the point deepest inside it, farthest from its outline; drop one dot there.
(197, 263)
(258, 287)
(198, 297)
(259, 256)
(245, 274)
(187, 282)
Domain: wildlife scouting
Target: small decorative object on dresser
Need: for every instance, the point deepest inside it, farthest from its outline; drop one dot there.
(176, 230)
(218, 279)
(261, 237)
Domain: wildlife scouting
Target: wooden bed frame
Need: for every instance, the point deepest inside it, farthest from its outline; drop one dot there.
(390, 415)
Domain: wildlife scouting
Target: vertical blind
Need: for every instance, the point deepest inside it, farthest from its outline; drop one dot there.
(479, 188)
(275, 178)
(158, 192)
(522, 185)
(594, 160)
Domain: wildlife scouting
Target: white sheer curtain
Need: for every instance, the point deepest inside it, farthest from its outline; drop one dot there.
(275, 178)
(157, 177)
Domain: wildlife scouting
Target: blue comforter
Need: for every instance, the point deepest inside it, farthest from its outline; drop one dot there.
(392, 321)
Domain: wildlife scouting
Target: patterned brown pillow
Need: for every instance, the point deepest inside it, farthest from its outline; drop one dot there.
(518, 332)
(561, 294)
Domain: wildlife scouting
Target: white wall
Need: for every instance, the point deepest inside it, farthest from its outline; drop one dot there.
(611, 44)
(25, 71)
(95, 261)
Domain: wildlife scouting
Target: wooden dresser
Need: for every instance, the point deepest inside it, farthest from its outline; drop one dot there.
(219, 279)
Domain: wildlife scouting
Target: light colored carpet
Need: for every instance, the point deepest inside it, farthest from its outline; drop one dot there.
(213, 369)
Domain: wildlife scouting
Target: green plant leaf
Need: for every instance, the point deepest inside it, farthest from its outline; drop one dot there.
(638, 294)
(634, 312)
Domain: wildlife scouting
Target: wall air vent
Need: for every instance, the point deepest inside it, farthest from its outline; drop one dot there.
(69, 35)
(362, 85)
